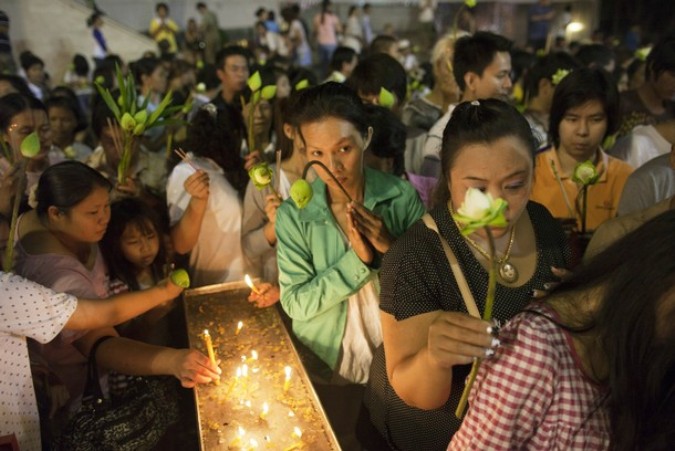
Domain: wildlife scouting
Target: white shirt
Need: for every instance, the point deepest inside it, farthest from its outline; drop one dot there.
(26, 310)
(217, 257)
(640, 145)
(432, 147)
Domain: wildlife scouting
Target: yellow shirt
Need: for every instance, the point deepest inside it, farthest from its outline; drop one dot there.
(603, 197)
(168, 32)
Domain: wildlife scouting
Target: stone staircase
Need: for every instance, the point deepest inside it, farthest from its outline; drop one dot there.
(55, 30)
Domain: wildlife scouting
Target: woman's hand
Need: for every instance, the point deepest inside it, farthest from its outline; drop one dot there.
(269, 295)
(272, 203)
(561, 273)
(171, 289)
(457, 338)
(197, 185)
(362, 247)
(371, 227)
(252, 159)
(192, 367)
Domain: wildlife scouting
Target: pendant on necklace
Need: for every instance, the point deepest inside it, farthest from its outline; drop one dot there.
(508, 272)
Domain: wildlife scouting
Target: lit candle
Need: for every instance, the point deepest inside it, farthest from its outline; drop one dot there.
(250, 284)
(240, 324)
(297, 434)
(254, 354)
(265, 411)
(209, 349)
(237, 441)
(287, 380)
(253, 443)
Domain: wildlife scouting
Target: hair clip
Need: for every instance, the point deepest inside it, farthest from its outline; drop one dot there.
(210, 108)
(32, 197)
(475, 103)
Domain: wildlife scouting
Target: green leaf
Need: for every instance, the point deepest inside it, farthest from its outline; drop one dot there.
(268, 92)
(30, 145)
(107, 98)
(386, 98)
(302, 84)
(160, 110)
(254, 82)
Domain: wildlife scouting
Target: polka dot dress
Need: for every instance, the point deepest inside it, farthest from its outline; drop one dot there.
(416, 278)
(26, 310)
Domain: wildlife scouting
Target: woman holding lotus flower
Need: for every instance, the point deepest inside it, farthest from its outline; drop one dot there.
(329, 250)
(429, 337)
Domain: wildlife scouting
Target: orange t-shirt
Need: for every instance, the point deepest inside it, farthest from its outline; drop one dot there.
(603, 197)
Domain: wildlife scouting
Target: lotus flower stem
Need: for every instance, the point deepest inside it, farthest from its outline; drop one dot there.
(487, 316)
(325, 168)
(584, 208)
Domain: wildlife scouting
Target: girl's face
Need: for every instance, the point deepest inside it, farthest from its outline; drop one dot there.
(336, 143)
(87, 221)
(582, 130)
(262, 118)
(63, 123)
(502, 168)
(25, 123)
(140, 245)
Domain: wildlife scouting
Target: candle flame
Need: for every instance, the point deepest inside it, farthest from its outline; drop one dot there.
(240, 324)
(241, 431)
(297, 432)
(254, 354)
(248, 281)
(244, 370)
(288, 370)
(206, 332)
(265, 408)
(254, 443)
(238, 371)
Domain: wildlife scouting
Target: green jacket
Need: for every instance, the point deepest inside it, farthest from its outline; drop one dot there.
(318, 272)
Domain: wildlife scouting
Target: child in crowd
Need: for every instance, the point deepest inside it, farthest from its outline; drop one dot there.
(133, 248)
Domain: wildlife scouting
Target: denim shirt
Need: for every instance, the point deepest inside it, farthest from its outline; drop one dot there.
(317, 272)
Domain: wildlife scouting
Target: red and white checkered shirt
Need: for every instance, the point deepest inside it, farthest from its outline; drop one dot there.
(533, 394)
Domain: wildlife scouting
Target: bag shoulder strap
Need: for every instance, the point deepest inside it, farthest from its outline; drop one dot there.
(469, 301)
(92, 388)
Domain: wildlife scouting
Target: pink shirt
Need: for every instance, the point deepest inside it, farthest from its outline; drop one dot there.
(326, 33)
(64, 274)
(533, 394)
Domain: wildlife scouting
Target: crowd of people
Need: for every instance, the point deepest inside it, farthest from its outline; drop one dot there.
(383, 291)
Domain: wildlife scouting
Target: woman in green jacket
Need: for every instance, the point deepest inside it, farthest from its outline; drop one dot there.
(329, 252)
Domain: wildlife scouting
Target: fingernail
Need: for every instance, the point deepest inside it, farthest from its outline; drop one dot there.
(490, 330)
(489, 352)
(495, 343)
(548, 286)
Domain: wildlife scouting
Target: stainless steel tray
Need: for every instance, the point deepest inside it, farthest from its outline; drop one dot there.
(230, 413)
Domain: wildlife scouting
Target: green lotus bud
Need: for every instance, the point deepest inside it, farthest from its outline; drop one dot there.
(585, 173)
(120, 100)
(301, 193)
(386, 98)
(139, 129)
(127, 122)
(302, 84)
(100, 80)
(141, 117)
(254, 82)
(180, 277)
(201, 87)
(268, 92)
(69, 152)
(470, 3)
(30, 145)
(261, 175)
(200, 64)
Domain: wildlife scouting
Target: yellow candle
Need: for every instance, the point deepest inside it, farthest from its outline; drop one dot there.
(240, 324)
(250, 284)
(237, 441)
(265, 411)
(209, 349)
(287, 380)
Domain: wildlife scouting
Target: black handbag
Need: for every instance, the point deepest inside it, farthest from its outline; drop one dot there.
(130, 421)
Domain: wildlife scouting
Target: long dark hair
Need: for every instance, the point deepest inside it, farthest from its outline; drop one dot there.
(66, 184)
(480, 121)
(15, 103)
(131, 212)
(635, 280)
(218, 137)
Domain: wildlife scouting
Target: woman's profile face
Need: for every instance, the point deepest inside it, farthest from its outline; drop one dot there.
(336, 143)
(502, 168)
(63, 124)
(25, 123)
(87, 221)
